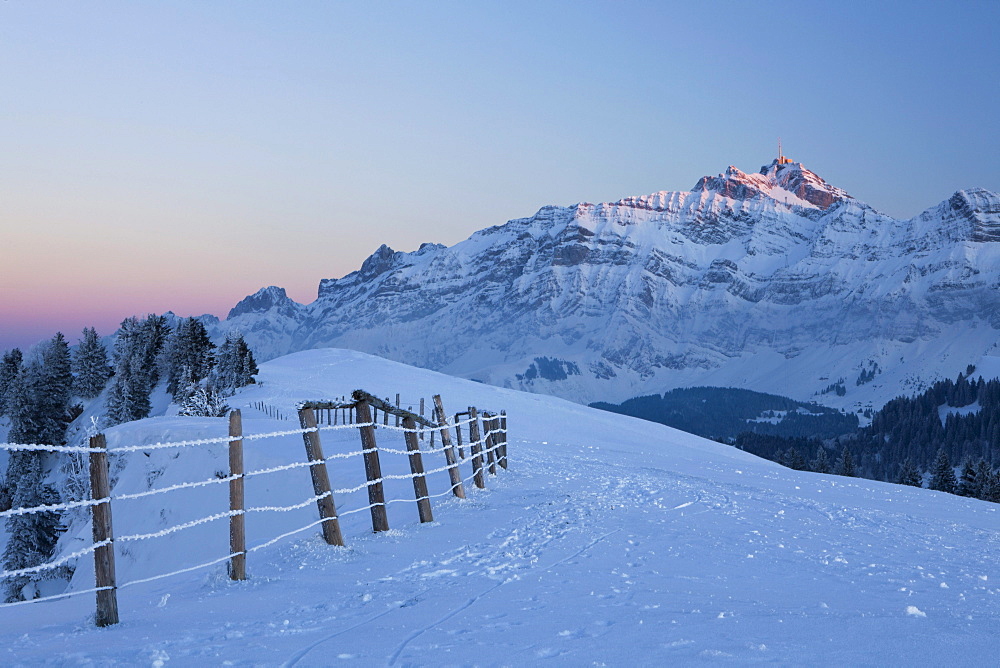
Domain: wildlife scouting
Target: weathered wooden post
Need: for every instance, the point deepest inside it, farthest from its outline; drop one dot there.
(104, 556)
(417, 469)
(385, 414)
(320, 478)
(397, 406)
(503, 438)
(237, 521)
(376, 496)
(476, 446)
(458, 432)
(421, 415)
(490, 442)
(449, 451)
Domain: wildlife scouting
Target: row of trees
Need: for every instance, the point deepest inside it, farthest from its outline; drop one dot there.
(41, 395)
(913, 441)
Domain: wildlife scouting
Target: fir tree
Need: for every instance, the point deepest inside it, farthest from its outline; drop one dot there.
(909, 475)
(845, 463)
(235, 365)
(10, 367)
(822, 462)
(942, 474)
(984, 472)
(189, 357)
(137, 347)
(90, 364)
(204, 403)
(968, 483)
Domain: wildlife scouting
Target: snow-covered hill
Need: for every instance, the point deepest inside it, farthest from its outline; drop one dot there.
(609, 541)
(775, 281)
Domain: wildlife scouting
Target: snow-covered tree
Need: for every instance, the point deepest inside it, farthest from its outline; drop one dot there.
(235, 366)
(90, 365)
(136, 372)
(189, 357)
(10, 367)
(942, 474)
(968, 483)
(204, 402)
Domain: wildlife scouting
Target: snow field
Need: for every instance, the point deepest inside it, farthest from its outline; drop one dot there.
(609, 541)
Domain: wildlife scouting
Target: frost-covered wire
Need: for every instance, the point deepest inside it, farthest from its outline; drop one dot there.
(54, 507)
(179, 527)
(48, 448)
(54, 597)
(53, 564)
(180, 571)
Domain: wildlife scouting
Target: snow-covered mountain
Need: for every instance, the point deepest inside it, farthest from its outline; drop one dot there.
(775, 281)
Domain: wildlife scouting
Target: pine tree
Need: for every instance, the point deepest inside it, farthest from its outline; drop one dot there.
(968, 483)
(90, 364)
(204, 403)
(235, 365)
(909, 475)
(822, 462)
(137, 348)
(845, 463)
(10, 367)
(984, 472)
(189, 354)
(942, 474)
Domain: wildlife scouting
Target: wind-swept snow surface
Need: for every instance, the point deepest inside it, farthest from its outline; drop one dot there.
(609, 541)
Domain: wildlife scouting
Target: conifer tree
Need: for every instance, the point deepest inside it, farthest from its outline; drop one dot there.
(822, 462)
(984, 473)
(10, 367)
(189, 357)
(845, 463)
(968, 484)
(908, 474)
(90, 365)
(137, 347)
(942, 474)
(235, 365)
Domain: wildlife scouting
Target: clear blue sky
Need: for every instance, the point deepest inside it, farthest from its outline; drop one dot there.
(180, 155)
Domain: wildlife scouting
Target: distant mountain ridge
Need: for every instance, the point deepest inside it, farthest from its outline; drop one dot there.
(774, 281)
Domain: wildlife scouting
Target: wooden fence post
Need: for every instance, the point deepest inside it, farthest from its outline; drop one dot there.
(104, 556)
(237, 521)
(503, 438)
(417, 469)
(449, 451)
(376, 497)
(421, 415)
(490, 442)
(477, 449)
(458, 433)
(320, 478)
(397, 406)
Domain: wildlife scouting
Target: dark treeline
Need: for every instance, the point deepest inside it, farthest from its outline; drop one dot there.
(913, 440)
(721, 413)
(42, 393)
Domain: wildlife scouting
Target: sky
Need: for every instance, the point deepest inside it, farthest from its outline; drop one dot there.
(181, 155)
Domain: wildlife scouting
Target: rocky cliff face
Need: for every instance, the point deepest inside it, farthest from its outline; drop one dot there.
(774, 281)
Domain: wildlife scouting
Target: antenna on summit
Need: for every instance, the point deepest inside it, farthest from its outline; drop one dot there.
(782, 160)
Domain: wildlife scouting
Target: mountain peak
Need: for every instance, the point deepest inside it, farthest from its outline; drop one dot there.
(263, 300)
(783, 180)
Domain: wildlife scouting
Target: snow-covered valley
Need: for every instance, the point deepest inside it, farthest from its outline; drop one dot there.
(610, 540)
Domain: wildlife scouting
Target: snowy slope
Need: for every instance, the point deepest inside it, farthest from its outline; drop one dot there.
(774, 281)
(610, 540)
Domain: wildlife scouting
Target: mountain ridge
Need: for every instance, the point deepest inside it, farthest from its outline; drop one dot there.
(741, 281)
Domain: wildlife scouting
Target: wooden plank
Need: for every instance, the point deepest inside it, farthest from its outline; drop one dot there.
(373, 470)
(476, 446)
(490, 442)
(417, 469)
(458, 433)
(320, 479)
(457, 488)
(237, 522)
(104, 556)
(503, 438)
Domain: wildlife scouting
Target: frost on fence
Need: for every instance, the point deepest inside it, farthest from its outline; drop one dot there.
(491, 443)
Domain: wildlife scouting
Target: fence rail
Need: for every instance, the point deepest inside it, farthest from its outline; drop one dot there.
(360, 412)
